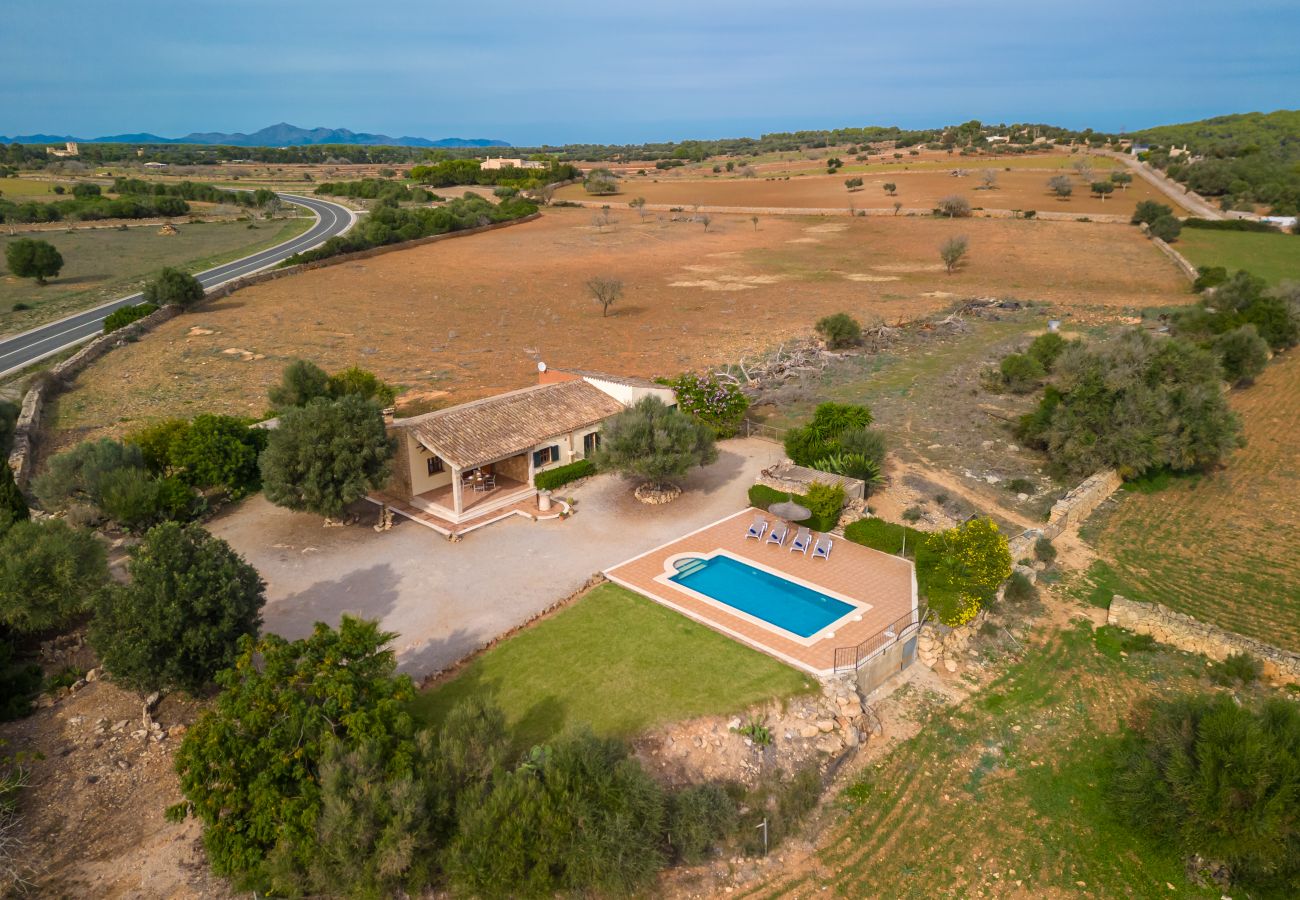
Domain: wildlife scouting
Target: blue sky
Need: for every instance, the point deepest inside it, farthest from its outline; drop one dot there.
(577, 71)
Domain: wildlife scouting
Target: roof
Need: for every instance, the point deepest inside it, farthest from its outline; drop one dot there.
(496, 427)
(616, 379)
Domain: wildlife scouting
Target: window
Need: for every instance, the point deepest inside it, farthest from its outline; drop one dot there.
(436, 465)
(546, 456)
(590, 443)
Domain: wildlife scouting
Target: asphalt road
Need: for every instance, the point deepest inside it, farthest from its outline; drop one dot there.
(22, 350)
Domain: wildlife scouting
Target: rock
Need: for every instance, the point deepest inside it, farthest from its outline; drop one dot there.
(825, 726)
(92, 675)
(992, 479)
(152, 700)
(119, 726)
(1022, 496)
(1013, 448)
(734, 724)
(809, 731)
(950, 665)
(123, 764)
(851, 737)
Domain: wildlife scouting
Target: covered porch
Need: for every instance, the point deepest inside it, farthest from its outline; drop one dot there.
(473, 491)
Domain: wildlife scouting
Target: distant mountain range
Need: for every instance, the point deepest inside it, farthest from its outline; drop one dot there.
(281, 135)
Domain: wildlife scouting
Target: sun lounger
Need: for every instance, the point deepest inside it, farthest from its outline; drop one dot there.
(757, 529)
(822, 549)
(779, 531)
(801, 541)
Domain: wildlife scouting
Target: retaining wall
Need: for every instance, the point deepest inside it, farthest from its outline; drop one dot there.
(1186, 633)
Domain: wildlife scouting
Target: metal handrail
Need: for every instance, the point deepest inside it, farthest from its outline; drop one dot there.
(850, 659)
(760, 430)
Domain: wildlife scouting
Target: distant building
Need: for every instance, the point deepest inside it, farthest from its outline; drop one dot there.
(998, 139)
(500, 162)
(69, 149)
(155, 165)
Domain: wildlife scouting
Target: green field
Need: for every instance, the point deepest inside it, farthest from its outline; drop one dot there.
(103, 264)
(1273, 257)
(1006, 795)
(617, 662)
(23, 189)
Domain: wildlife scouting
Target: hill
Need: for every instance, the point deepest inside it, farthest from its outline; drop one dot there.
(1242, 134)
(279, 135)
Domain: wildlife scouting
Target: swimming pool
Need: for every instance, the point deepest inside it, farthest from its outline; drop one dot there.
(761, 594)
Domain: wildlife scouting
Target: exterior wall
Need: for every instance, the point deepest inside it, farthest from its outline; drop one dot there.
(515, 467)
(578, 440)
(628, 394)
(570, 444)
(893, 659)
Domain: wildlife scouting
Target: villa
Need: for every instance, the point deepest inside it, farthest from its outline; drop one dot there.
(465, 466)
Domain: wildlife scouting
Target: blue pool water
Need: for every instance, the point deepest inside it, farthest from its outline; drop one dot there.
(761, 594)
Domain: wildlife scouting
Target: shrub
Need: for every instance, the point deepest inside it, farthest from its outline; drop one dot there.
(825, 502)
(839, 330)
(136, 500)
(177, 623)
(576, 816)
(326, 455)
(19, 682)
(301, 382)
(1020, 486)
(970, 562)
(1236, 668)
(1147, 211)
(913, 514)
(8, 422)
(697, 817)
(1218, 780)
(218, 451)
(13, 505)
(654, 442)
(249, 767)
(1045, 550)
(120, 318)
(561, 475)
(869, 443)
(1242, 353)
(1208, 277)
(1047, 349)
(156, 442)
(820, 437)
(1021, 373)
(80, 474)
(50, 573)
(1020, 589)
(362, 384)
(172, 286)
(1167, 228)
(600, 181)
(719, 404)
(954, 206)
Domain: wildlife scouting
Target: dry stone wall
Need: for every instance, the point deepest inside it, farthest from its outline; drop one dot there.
(1182, 631)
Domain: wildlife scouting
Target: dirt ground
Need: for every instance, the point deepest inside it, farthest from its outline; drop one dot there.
(465, 318)
(1016, 189)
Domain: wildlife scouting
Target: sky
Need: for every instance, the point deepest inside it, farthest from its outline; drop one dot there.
(575, 71)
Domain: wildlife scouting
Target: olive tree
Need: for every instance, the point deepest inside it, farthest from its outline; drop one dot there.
(50, 572)
(30, 258)
(954, 206)
(654, 443)
(605, 291)
(1061, 186)
(172, 286)
(953, 251)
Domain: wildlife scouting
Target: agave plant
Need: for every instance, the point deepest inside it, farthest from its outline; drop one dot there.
(852, 465)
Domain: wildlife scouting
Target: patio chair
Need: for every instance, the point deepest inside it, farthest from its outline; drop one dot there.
(801, 540)
(757, 529)
(822, 549)
(779, 531)
(490, 483)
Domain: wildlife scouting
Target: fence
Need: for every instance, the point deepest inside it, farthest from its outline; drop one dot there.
(766, 432)
(850, 659)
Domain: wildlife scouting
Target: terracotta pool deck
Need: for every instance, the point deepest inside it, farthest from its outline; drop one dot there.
(883, 586)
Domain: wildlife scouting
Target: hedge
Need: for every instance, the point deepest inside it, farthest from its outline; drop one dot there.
(120, 318)
(1231, 225)
(553, 478)
(887, 537)
(762, 496)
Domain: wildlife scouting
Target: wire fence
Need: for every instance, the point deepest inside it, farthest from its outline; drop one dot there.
(850, 659)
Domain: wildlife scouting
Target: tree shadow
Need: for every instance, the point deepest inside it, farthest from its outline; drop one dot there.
(365, 593)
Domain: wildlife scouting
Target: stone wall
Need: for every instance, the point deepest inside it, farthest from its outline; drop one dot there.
(1184, 266)
(1077, 505)
(1182, 631)
(786, 476)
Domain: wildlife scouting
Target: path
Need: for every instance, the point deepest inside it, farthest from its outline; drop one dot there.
(1189, 200)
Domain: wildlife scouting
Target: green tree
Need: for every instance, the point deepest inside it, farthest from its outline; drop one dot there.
(84, 190)
(600, 182)
(50, 573)
(30, 258)
(839, 330)
(890, 188)
(81, 474)
(250, 767)
(172, 286)
(1242, 353)
(1147, 211)
(13, 505)
(1022, 373)
(1061, 186)
(190, 599)
(1102, 188)
(302, 382)
(654, 443)
(363, 384)
(1219, 780)
(1167, 228)
(953, 251)
(218, 451)
(954, 206)
(326, 455)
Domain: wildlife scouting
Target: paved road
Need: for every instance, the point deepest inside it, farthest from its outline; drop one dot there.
(1167, 186)
(22, 350)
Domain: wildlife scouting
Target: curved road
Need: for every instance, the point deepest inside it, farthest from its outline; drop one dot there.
(20, 350)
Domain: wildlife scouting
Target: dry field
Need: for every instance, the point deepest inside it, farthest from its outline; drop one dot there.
(468, 317)
(1223, 548)
(1018, 189)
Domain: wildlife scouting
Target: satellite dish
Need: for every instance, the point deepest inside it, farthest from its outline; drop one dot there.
(541, 367)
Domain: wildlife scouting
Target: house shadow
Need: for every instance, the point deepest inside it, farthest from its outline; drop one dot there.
(365, 594)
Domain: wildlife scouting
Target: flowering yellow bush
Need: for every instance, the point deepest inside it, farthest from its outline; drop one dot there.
(962, 568)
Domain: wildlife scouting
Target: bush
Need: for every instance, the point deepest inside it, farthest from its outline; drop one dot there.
(1021, 373)
(1148, 211)
(218, 451)
(156, 442)
(301, 383)
(8, 423)
(869, 443)
(81, 474)
(887, 537)
(825, 502)
(654, 442)
(50, 573)
(1236, 668)
(1045, 550)
(719, 404)
(326, 455)
(1242, 353)
(249, 767)
(576, 816)
(19, 683)
(13, 505)
(839, 330)
(561, 475)
(1020, 589)
(821, 437)
(1047, 349)
(120, 318)
(172, 286)
(965, 565)
(190, 599)
(1231, 225)
(1217, 780)
(1208, 277)
(697, 817)
(359, 382)
(137, 500)
(1167, 228)
(761, 497)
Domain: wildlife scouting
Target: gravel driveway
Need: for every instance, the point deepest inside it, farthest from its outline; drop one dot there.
(445, 600)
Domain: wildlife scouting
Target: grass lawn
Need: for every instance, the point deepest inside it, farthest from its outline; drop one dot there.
(103, 264)
(617, 662)
(20, 190)
(1006, 796)
(1273, 257)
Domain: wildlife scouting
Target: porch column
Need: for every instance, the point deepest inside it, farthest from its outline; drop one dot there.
(456, 489)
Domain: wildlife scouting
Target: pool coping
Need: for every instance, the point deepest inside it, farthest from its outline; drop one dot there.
(857, 607)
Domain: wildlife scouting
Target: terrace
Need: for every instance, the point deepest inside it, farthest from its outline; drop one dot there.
(873, 595)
